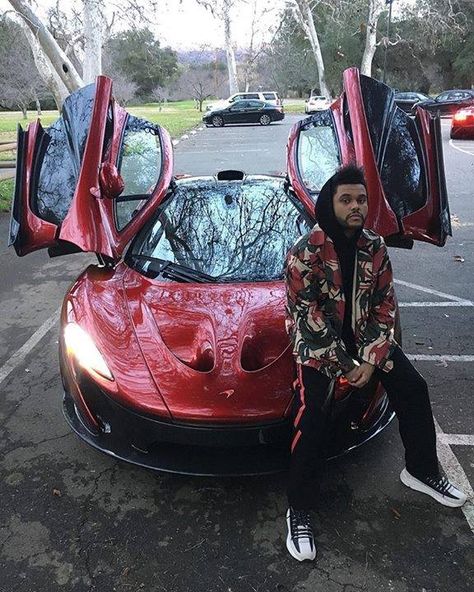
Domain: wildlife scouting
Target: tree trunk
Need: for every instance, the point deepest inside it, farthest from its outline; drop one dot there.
(318, 56)
(304, 17)
(231, 65)
(92, 41)
(38, 105)
(45, 69)
(375, 10)
(60, 63)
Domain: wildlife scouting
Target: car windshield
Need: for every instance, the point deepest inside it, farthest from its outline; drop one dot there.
(231, 231)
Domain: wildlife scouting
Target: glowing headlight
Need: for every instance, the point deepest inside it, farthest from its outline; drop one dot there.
(81, 346)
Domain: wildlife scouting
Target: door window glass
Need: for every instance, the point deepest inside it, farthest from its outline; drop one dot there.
(318, 151)
(61, 150)
(402, 169)
(378, 100)
(139, 165)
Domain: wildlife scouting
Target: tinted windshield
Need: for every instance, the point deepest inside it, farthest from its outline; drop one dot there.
(233, 230)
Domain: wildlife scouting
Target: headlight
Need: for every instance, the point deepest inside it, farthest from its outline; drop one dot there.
(80, 345)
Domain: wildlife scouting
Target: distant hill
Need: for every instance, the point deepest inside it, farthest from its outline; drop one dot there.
(205, 56)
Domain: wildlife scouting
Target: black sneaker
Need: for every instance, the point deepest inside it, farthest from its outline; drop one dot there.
(300, 539)
(437, 487)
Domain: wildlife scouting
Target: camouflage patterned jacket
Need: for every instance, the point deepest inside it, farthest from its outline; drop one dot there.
(315, 303)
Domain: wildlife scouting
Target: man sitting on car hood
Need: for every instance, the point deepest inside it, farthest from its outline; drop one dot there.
(340, 316)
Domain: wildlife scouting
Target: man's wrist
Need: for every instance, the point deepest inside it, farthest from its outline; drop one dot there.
(350, 366)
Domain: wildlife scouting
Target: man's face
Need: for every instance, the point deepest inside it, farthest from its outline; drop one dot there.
(350, 206)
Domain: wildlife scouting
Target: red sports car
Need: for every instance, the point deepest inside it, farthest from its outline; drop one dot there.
(462, 124)
(173, 351)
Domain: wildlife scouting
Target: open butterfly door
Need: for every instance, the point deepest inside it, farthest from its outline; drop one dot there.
(90, 180)
(401, 156)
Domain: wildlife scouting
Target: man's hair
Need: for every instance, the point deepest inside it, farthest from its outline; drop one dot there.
(350, 174)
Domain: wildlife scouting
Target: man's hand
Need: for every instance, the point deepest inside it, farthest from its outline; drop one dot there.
(360, 375)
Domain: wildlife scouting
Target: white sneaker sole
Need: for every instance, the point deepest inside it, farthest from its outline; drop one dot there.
(414, 483)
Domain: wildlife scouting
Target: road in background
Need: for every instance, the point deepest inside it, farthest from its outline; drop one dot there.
(76, 520)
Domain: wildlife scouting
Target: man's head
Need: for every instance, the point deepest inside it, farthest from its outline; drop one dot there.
(349, 198)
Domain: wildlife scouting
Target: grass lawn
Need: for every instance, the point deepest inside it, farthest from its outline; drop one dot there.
(6, 192)
(177, 118)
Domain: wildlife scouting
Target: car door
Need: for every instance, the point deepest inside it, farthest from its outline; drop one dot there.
(253, 111)
(90, 180)
(237, 113)
(401, 156)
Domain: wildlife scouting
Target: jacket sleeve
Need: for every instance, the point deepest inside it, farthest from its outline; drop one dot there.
(313, 334)
(378, 341)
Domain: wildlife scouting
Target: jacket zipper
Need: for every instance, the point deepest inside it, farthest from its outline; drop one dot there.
(354, 279)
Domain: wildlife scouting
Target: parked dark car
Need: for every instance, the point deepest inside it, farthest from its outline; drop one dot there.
(245, 112)
(462, 124)
(407, 100)
(448, 102)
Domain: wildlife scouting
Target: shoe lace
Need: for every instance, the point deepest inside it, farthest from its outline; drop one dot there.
(300, 524)
(441, 484)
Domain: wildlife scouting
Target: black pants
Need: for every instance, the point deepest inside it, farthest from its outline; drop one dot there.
(408, 394)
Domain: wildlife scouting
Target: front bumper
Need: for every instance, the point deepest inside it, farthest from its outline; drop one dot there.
(183, 448)
(206, 450)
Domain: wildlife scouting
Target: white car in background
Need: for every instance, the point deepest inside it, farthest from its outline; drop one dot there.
(316, 103)
(271, 97)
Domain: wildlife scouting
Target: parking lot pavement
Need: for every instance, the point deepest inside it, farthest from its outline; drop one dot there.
(76, 520)
(251, 148)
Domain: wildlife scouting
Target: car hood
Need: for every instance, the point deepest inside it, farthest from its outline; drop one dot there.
(216, 351)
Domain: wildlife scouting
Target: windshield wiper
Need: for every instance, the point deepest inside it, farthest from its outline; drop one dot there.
(174, 271)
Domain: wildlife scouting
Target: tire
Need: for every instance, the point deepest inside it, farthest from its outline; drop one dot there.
(265, 119)
(217, 121)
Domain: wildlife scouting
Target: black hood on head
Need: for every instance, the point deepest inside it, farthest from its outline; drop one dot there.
(326, 218)
(346, 248)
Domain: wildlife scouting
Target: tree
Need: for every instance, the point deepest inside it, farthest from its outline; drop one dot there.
(20, 84)
(199, 81)
(375, 9)
(54, 67)
(222, 10)
(61, 75)
(287, 62)
(302, 11)
(138, 56)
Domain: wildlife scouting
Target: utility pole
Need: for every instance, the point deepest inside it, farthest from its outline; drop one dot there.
(387, 39)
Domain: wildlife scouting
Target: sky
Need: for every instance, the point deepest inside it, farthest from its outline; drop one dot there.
(186, 25)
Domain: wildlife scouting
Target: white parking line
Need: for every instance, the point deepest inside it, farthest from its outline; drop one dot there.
(457, 439)
(431, 291)
(433, 304)
(456, 474)
(460, 149)
(439, 358)
(25, 349)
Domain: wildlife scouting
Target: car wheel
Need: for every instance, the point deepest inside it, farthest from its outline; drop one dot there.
(217, 121)
(265, 120)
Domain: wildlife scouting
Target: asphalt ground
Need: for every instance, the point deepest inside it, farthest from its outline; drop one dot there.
(75, 520)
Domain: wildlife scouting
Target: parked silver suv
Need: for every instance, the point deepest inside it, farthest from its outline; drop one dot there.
(271, 97)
